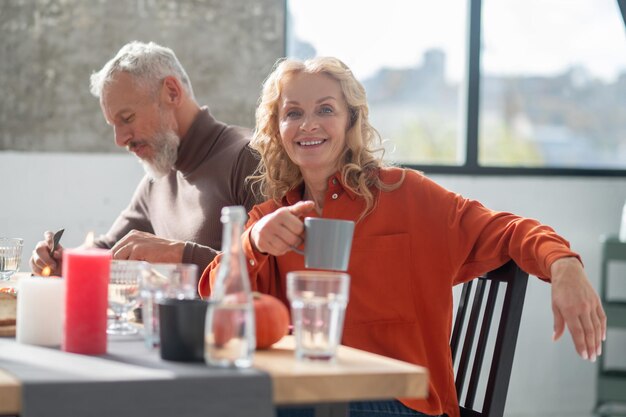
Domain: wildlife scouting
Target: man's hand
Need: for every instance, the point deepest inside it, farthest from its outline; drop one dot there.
(142, 246)
(41, 258)
(280, 231)
(576, 304)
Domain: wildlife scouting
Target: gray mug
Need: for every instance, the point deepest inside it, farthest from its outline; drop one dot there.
(327, 243)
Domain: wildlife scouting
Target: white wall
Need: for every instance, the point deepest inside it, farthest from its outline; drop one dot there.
(78, 192)
(83, 192)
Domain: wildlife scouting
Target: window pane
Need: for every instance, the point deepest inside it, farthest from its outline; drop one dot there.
(553, 86)
(409, 55)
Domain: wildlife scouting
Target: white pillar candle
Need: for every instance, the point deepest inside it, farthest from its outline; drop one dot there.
(40, 310)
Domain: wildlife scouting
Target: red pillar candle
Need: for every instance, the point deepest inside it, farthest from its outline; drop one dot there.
(86, 273)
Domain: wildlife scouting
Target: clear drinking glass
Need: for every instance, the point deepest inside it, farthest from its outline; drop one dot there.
(164, 281)
(10, 256)
(318, 304)
(125, 278)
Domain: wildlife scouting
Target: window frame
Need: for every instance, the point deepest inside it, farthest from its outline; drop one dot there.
(471, 114)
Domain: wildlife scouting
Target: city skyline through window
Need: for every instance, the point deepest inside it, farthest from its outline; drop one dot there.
(552, 85)
(565, 105)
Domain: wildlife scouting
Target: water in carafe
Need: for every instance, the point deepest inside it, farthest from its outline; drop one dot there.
(229, 330)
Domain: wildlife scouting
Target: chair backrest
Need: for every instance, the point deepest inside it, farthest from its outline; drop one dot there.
(472, 353)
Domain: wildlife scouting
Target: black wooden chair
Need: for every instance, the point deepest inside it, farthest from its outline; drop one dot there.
(472, 354)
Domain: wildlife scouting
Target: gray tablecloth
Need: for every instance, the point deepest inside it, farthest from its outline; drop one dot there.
(131, 381)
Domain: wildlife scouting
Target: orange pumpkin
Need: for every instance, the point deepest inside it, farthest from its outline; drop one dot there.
(271, 320)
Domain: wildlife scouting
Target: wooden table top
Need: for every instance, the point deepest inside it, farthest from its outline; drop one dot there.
(355, 375)
(10, 394)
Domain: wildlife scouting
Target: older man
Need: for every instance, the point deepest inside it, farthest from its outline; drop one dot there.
(195, 164)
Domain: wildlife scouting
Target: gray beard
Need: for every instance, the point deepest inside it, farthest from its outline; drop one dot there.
(166, 152)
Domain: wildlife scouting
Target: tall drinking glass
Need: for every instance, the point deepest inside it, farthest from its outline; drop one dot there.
(10, 256)
(164, 281)
(318, 303)
(124, 281)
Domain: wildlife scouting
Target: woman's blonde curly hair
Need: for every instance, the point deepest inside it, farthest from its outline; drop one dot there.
(277, 174)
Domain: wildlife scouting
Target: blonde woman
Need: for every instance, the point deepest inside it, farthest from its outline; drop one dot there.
(413, 240)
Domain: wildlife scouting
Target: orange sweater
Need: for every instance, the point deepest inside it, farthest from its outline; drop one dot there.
(407, 254)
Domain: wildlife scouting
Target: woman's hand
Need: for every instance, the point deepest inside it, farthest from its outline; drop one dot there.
(280, 231)
(576, 304)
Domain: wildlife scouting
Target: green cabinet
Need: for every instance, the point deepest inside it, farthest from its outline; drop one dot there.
(611, 383)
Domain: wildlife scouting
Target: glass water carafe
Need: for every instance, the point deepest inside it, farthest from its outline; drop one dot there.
(229, 333)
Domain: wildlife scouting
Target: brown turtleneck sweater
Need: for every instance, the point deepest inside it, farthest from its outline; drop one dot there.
(213, 161)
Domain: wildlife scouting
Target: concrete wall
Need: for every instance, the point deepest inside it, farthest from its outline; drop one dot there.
(48, 49)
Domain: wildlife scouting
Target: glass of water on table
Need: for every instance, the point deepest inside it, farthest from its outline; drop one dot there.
(163, 281)
(318, 304)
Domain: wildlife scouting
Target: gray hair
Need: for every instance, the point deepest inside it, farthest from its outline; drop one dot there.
(149, 63)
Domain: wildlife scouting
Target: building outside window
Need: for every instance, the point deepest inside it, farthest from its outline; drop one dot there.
(552, 78)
